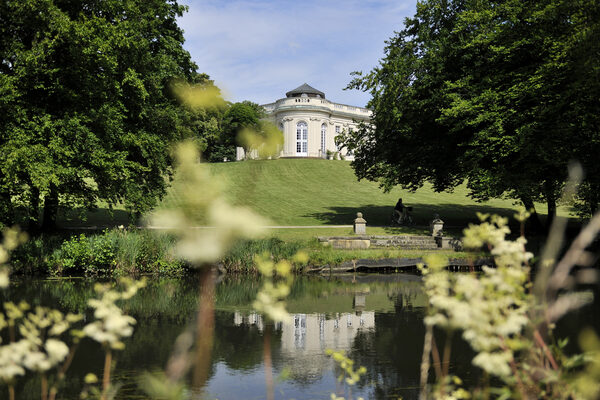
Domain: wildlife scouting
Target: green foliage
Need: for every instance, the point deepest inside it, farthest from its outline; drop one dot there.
(85, 110)
(495, 92)
(81, 254)
(113, 252)
(244, 125)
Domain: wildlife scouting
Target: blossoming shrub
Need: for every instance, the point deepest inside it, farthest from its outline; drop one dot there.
(496, 312)
(43, 341)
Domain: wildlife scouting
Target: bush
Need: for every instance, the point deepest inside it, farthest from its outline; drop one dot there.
(114, 252)
(94, 255)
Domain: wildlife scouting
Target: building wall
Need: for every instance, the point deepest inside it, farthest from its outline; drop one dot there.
(286, 113)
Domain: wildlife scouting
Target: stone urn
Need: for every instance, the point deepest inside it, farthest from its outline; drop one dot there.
(436, 226)
(360, 225)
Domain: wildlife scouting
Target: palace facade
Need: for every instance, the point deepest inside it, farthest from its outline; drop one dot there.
(310, 122)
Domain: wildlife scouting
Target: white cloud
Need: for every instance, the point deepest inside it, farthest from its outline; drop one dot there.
(258, 50)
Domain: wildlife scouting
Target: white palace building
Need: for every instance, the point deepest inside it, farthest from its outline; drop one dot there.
(310, 122)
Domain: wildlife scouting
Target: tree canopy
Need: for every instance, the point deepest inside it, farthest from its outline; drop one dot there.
(86, 112)
(238, 116)
(244, 125)
(503, 94)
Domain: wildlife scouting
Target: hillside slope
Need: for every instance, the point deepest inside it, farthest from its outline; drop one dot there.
(322, 192)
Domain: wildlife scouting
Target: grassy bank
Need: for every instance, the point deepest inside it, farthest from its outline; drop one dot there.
(321, 192)
(134, 252)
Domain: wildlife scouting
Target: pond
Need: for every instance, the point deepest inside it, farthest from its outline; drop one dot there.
(376, 319)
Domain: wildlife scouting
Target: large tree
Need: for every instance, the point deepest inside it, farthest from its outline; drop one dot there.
(86, 112)
(498, 92)
(239, 116)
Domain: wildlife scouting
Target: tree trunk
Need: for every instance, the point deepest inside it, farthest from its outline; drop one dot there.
(205, 328)
(50, 210)
(534, 219)
(551, 201)
(5, 207)
(34, 212)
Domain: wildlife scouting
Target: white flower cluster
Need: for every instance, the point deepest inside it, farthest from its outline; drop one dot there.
(111, 323)
(270, 300)
(40, 348)
(489, 308)
(12, 238)
(197, 199)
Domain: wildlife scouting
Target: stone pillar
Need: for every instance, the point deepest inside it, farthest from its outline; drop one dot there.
(360, 225)
(436, 226)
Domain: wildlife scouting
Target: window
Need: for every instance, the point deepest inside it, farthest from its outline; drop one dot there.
(302, 139)
(323, 139)
(337, 130)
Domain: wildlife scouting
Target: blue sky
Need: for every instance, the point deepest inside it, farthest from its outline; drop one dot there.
(259, 49)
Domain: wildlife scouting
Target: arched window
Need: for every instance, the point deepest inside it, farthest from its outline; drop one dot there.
(323, 139)
(302, 139)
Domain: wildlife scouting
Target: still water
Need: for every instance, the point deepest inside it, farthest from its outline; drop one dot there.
(375, 319)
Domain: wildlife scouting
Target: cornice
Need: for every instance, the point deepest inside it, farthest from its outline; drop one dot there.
(327, 110)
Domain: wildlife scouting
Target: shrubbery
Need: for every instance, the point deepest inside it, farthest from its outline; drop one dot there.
(113, 252)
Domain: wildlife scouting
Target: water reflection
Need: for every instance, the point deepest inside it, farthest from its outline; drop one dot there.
(309, 333)
(377, 320)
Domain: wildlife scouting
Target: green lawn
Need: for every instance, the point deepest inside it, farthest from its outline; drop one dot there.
(322, 192)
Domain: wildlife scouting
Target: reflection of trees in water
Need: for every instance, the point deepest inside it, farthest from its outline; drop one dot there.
(392, 352)
(240, 347)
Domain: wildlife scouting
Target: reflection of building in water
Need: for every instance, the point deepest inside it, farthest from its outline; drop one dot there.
(305, 337)
(309, 333)
(249, 319)
(314, 332)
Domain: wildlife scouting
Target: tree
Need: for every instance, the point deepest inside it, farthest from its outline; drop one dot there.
(240, 116)
(85, 107)
(492, 92)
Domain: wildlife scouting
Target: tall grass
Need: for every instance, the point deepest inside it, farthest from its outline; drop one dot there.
(240, 257)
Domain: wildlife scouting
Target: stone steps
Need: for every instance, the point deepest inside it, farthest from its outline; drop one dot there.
(396, 241)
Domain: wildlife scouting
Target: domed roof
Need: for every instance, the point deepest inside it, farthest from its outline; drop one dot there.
(307, 90)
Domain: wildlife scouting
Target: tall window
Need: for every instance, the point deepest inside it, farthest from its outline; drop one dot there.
(323, 139)
(302, 139)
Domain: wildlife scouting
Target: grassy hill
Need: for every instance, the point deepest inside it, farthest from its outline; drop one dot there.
(322, 192)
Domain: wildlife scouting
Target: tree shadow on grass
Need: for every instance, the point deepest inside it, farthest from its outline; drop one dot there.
(99, 218)
(454, 216)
